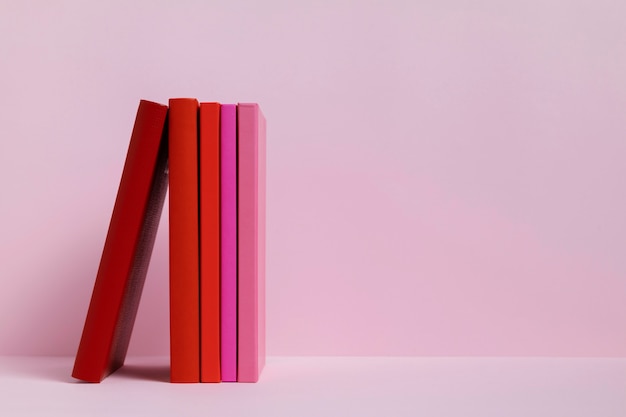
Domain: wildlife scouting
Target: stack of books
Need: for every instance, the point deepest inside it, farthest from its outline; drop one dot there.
(212, 156)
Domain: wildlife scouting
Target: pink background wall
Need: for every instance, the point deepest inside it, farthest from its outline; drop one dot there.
(444, 177)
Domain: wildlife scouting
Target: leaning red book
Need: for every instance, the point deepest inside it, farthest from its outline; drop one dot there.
(127, 248)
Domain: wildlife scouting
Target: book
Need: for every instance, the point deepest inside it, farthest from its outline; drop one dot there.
(127, 248)
(209, 148)
(184, 241)
(251, 242)
(228, 216)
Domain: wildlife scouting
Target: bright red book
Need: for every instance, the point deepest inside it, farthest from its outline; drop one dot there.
(209, 144)
(127, 248)
(184, 241)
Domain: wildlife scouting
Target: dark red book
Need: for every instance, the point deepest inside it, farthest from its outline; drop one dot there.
(127, 248)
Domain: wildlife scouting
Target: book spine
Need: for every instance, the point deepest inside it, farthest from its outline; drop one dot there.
(209, 242)
(228, 201)
(127, 249)
(251, 242)
(184, 241)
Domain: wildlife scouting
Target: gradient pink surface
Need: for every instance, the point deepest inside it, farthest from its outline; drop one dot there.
(228, 267)
(444, 177)
(306, 386)
(251, 136)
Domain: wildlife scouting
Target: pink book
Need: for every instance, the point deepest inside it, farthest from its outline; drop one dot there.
(228, 219)
(251, 242)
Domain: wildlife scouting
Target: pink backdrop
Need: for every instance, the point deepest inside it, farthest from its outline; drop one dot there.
(444, 177)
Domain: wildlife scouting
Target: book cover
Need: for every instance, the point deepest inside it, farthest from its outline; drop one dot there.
(228, 279)
(209, 148)
(127, 248)
(251, 242)
(184, 241)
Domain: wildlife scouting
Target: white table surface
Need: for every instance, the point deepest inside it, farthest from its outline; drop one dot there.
(328, 386)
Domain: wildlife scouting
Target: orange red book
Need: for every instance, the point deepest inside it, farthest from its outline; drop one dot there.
(184, 242)
(215, 157)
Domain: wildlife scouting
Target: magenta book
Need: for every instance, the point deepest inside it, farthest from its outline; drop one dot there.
(228, 274)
